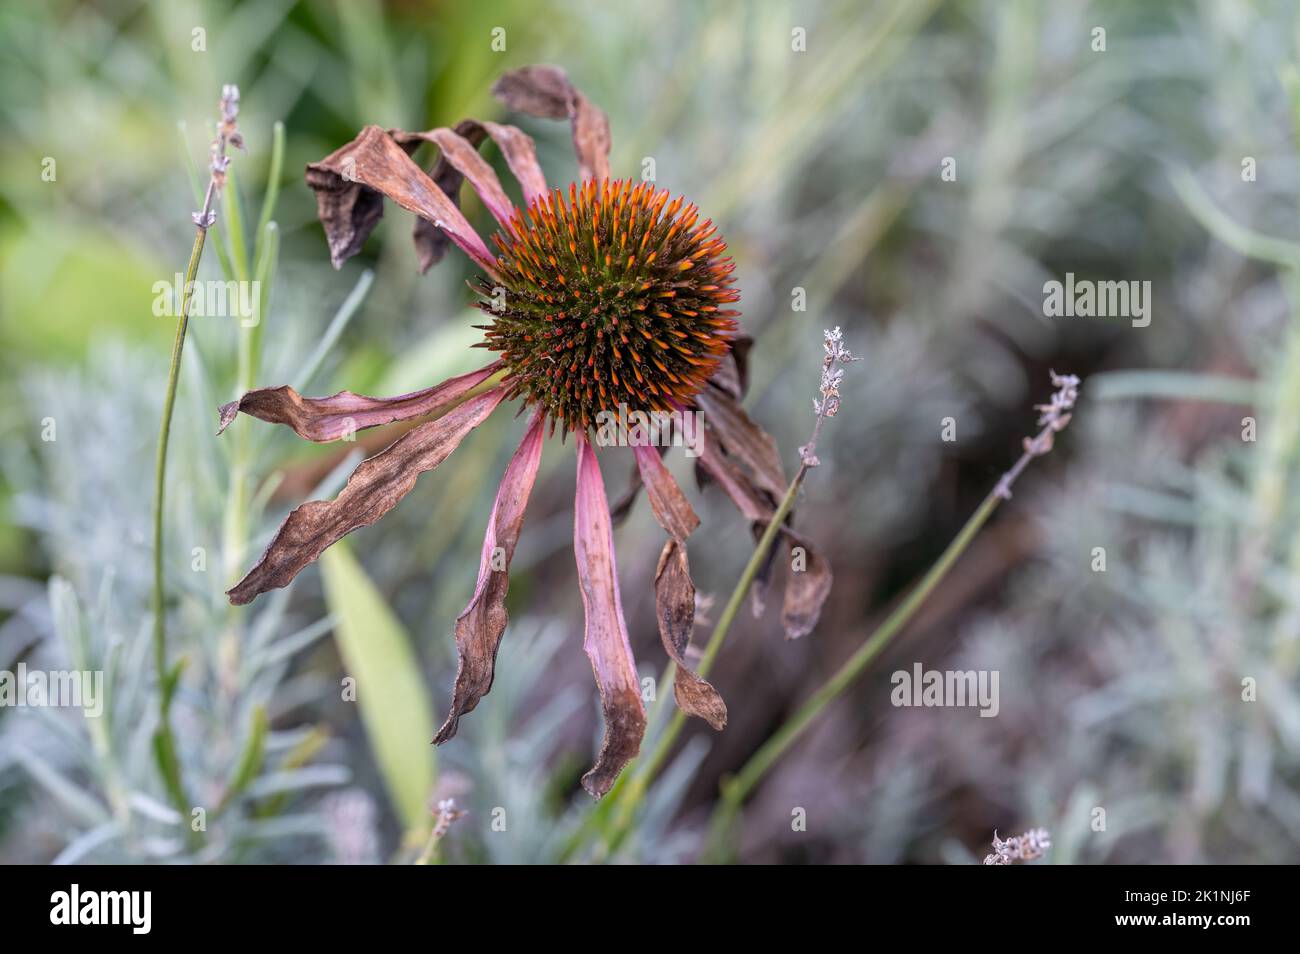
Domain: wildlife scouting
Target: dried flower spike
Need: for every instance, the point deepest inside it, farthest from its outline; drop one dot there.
(1052, 418)
(228, 134)
(828, 405)
(1032, 845)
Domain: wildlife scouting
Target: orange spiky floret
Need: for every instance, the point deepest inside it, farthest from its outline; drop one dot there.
(583, 327)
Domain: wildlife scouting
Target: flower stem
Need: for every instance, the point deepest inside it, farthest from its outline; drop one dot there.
(164, 742)
(736, 789)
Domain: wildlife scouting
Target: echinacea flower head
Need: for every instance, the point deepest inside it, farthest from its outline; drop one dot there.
(609, 295)
(603, 295)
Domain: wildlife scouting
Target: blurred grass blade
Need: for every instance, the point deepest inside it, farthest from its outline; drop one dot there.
(272, 183)
(395, 707)
(1173, 385)
(73, 797)
(250, 761)
(1214, 220)
(336, 326)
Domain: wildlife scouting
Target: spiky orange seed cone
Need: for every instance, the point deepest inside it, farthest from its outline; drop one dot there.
(609, 296)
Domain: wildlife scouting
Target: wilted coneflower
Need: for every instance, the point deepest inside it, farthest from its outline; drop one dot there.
(602, 297)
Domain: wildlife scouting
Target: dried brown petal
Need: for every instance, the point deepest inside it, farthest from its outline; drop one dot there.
(675, 607)
(339, 415)
(546, 91)
(605, 638)
(712, 463)
(670, 506)
(349, 182)
(480, 627)
(741, 438)
(431, 243)
(373, 489)
(674, 589)
(805, 589)
(732, 376)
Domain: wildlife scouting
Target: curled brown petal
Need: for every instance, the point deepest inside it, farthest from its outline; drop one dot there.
(675, 607)
(807, 584)
(521, 156)
(480, 627)
(546, 91)
(605, 639)
(340, 415)
(756, 476)
(350, 181)
(732, 375)
(674, 589)
(374, 488)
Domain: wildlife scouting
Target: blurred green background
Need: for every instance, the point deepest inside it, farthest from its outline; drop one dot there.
(1121, 690)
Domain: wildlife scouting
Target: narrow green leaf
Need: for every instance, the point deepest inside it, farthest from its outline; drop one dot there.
(1173, 385)
(233, 212)
(250, 762)
(272, 183)
(395, 706)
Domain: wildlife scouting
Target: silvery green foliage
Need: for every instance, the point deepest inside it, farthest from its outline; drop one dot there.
(82, 496)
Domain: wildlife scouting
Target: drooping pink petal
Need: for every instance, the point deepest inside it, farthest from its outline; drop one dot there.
(520, 155)
(480, 627)
(350, 184)
(546, 91)
(463, 156)
(376, 486)
(340, 415)
(605, 639)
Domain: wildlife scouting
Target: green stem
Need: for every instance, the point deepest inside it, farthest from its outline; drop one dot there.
(737, 789)
(165, 743)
